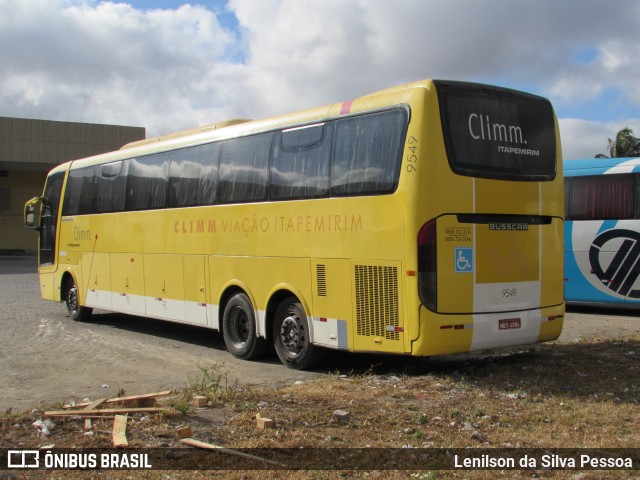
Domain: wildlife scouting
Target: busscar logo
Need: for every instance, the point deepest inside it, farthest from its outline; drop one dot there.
(509, 226)
(623, 271)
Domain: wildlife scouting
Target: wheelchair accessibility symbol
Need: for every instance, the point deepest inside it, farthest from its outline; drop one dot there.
(464, 260)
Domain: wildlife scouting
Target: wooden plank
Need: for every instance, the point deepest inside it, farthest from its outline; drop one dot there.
(120, 431)
(95, 404)
(263, 422)
(164, 393)
(102, 411)
(210, 446)
(142, 402)
(123, 399)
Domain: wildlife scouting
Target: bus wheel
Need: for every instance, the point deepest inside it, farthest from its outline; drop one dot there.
(291, 336)
(76, 312)
(239, 328)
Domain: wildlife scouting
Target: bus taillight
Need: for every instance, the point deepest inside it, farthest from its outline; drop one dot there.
(427, 266)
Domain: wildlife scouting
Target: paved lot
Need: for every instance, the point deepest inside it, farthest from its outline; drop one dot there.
(48, 358)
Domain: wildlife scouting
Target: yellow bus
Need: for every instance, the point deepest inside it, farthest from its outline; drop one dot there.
(420, 220)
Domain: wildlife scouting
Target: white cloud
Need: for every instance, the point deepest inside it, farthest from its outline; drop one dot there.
(615, 66)
(586, 139)
(109, 63)
(100, 61)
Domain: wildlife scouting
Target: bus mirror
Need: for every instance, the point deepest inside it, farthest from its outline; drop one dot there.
(32, 213)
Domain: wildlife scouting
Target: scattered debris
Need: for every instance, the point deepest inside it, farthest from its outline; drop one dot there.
(119, 431)
(341, 416)
(263, 423)
(479, 437)
(210, 446)
(516, 396)
(183, 432)
(43, 431)
(132, 400)
(95, 404)
(100, 412)
(199, 401)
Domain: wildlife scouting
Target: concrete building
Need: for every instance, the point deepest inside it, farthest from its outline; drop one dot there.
(29, 149)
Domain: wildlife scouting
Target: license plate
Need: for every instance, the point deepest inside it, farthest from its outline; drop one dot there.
(509, 323)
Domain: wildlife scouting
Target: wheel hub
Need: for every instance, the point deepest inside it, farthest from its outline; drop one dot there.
(291, 334)
(73, 300)
(240, 329)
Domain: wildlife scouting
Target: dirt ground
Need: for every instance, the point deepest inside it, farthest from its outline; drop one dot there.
(47, 358)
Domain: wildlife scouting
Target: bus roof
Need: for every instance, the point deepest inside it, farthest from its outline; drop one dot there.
(235, 128)
(600, 166)
(398, 95)
(185, 133)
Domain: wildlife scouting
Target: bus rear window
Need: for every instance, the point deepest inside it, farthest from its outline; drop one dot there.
(492, 132)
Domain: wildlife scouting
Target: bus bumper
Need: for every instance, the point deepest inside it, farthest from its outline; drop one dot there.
(446, 334)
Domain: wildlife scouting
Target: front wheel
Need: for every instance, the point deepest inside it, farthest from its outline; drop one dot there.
(76, 312)
(291, 336)
(239, 329)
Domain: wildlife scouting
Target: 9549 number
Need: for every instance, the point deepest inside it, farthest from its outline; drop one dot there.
(509, 292)
(412, 154)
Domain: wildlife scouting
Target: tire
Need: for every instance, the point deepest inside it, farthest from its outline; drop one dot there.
(239, 329)
(291, 336)
(75, 311)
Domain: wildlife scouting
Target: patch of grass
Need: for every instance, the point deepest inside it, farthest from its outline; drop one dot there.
(211, 382)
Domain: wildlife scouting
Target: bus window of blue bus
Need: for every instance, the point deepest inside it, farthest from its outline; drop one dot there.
(602, 230)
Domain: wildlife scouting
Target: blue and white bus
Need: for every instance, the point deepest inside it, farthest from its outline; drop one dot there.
(602, 230)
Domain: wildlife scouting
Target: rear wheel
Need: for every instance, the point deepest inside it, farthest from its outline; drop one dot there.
(76, 312)
(291, 336)
(239, 329)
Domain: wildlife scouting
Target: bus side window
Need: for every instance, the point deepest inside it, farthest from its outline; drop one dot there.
(368, 153)
(244, 169)
(78, 192)
(603, 197)
(567, 198)
(300, 164)
(49, 218)
(110, 187)
(193, 176)
(147, 179)
(637, 195)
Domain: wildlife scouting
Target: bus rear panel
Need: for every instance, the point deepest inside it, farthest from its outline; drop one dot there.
(489, 259)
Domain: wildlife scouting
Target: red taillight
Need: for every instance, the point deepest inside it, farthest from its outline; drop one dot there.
(427, 266)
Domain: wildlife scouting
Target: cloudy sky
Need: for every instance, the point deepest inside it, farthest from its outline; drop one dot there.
(168, 65)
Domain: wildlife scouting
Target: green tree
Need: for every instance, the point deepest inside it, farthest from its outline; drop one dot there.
(625, 145)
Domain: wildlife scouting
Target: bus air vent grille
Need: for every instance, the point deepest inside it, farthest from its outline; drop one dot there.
(321, 276)
(377, 310)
